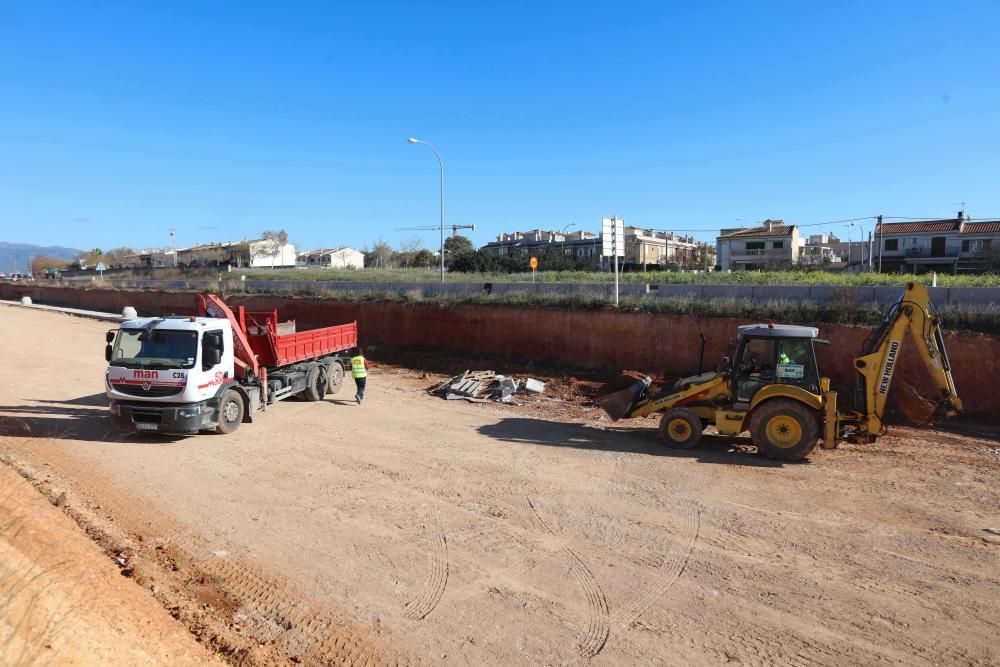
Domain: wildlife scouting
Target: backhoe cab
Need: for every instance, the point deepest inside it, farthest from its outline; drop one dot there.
(771, 387)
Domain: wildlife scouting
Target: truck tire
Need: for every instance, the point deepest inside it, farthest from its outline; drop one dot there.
(334, 377)
(680, 428)
(315, 383)
(784, 429)
(231, 411)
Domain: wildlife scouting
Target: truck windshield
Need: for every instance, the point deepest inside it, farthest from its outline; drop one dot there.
(160, 348)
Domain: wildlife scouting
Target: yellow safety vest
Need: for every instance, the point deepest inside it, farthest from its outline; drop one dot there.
(358, 367)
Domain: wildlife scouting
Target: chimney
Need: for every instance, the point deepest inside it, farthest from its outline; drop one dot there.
(769, 223)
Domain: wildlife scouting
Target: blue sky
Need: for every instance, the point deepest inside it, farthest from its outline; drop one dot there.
(120, 120)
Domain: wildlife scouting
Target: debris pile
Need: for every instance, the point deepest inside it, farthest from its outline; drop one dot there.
(482, 386)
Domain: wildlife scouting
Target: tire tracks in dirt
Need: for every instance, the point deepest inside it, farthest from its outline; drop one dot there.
(669, 571)
(598, 617)
(427, 599)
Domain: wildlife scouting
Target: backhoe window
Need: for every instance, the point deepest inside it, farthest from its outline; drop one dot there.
(160, 348)
(755, 367)
(797, 363)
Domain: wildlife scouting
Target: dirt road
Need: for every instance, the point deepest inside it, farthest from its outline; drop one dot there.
(415, 530)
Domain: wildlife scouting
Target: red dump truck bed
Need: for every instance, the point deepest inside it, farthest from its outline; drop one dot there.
(275, 348)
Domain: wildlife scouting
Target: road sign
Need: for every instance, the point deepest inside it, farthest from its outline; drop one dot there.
(612, 237)
(100, 267)
(533, 263)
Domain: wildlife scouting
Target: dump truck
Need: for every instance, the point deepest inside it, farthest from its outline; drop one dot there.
(216, 370)
(771, 386)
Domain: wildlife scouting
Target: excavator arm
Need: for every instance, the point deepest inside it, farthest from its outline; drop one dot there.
(880, 356)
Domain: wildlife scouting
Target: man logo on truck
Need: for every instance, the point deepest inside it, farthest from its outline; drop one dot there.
(890, 363)
(145, 375)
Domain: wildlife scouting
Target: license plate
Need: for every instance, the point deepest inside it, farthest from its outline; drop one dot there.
(143, 426)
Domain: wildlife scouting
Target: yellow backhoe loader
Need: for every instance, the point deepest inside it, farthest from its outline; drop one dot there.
(771, 387)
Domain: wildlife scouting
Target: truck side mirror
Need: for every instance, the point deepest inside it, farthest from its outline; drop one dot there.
(212, 356)
(107, 352)
(110, 336)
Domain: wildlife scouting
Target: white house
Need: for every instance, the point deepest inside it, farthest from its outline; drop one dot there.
(332, 258)
(959, 244)
(256, 254)
(773, 244)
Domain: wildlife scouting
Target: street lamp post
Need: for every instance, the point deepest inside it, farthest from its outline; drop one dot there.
(860, 242)
(563, 234)
(441, 163)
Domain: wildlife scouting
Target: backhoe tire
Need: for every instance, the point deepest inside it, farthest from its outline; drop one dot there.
(315, 383)
(231, 411)
(784, 429)
(680, 428)
(334, 377)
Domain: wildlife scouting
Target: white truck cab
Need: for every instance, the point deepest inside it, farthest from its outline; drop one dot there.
(168, 373)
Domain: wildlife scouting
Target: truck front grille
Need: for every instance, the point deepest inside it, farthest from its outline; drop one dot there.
(151, 392)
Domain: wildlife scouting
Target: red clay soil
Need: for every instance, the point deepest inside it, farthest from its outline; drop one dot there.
(600, 340)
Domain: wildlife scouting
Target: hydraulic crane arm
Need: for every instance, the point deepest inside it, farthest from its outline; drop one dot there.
(209, 305)
(880, 356)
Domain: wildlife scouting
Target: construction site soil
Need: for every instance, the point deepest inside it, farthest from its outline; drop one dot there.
(413, 530)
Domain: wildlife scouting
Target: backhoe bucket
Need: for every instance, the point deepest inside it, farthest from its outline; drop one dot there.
(618, 396)
(915, 407)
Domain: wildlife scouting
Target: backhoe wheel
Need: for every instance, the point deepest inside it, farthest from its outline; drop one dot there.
(334, 377)
(315, 383)
(231, 411)
(784, 429)
(680, 428)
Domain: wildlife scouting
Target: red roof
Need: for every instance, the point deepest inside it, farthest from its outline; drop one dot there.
(912, 227)
(985, 227)
(776, 230)
(990, 227)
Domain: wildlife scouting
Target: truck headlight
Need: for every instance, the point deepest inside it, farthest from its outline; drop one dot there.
(192, 411)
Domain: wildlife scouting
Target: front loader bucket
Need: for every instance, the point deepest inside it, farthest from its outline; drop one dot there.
(915, 407)
(618, 396)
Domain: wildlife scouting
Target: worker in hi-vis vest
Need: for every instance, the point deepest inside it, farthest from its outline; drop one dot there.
(359, 371)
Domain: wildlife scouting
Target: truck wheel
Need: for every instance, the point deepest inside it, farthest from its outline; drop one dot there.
(315, 383)
(784, 429)
(334, 377)
(680, 428)
(231, 410)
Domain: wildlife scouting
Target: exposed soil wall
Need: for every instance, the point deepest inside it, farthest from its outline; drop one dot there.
(600, 339)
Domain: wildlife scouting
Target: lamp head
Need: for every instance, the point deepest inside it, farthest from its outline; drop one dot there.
(413, 141)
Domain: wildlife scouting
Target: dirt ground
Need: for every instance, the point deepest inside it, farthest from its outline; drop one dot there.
(417, 530)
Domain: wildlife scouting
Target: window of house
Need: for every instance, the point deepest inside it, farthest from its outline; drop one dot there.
(777, 245)
(974, 245)
(755, 245)
(891, 244)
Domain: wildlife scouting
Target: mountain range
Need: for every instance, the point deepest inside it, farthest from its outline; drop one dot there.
(16, 256)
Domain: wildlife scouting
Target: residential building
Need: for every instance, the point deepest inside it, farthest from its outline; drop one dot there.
(538, 242)
(153, 258)
(820, 250)
(654, 247)
(640, 246)
(255, 254)
(771, 245)
(955, 245)
(332, 258)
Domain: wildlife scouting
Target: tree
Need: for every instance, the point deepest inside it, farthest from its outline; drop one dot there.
(267, 246)
(990, 256)
(380, 255)
(40, 263)
(456, 245)
(282, 239)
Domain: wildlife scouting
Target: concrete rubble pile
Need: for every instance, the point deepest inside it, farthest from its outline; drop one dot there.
(482, 386)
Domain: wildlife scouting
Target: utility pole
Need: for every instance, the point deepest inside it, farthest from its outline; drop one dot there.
(880, 241)
(173, 244)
